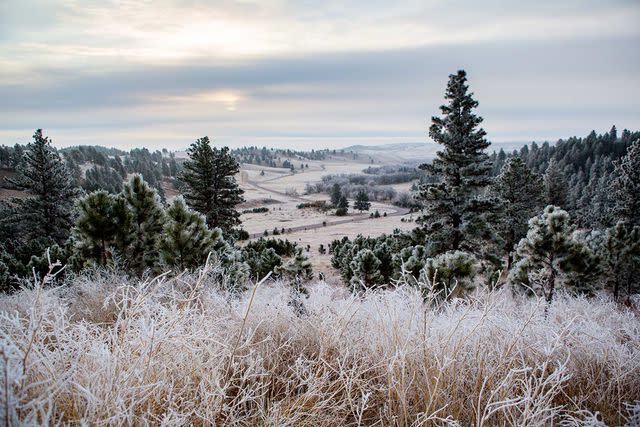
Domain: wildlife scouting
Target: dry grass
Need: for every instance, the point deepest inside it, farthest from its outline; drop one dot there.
(106, 351)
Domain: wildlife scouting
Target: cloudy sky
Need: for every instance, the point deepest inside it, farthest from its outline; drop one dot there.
(310, 74)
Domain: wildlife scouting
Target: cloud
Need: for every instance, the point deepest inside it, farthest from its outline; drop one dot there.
(127, 73)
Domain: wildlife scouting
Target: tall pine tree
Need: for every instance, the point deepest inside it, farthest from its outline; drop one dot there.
(48, 212)
(211, 187)
(454, 208)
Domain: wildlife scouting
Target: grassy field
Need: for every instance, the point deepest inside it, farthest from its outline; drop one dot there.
(106, 351)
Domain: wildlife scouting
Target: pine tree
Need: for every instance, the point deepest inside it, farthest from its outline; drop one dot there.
(366, 271)
(211, 187)
(450, 274)
(344, 202)
(362, 201)
(549, 249)
(620, 253)
(336, 194)
(520, 194)
(147, 221)
(48, 212)
(186, 241)
(103, 224)
(556, 187)
(297, 269)
(454, 209)
(627, 186)
(343, 206)
(269, 260)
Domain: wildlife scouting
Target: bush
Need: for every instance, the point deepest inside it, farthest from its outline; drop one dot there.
(241, 234)
(318, 204)
(261, 209)
(341, 212)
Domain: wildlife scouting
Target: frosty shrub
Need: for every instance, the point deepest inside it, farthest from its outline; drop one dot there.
(106, 350)
(366, 271)
(451, 274)
(551, 255)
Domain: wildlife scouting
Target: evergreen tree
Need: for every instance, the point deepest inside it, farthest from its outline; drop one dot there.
(173, 165)
(147, 221)
(102, 225)
(627, 186)
(520, 194)
(366, 271)
(48, 212)
(454, 208)
(550, 251)
(269, 260)
(450, 274)
(102, 178)
(186, 241)
(336, 194)
(297, 269)
(555, 186)
(620, 253)
(344, 203)
(211, 187)
(343, 206)
(362, 201)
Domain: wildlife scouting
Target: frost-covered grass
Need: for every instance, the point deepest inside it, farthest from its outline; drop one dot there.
(107, 351)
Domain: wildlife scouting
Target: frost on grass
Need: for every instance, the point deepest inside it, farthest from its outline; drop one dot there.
(107, 351)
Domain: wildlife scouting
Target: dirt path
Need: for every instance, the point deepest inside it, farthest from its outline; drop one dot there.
(279, 193)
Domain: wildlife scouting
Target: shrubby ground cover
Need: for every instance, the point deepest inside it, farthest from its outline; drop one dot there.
(106, 349)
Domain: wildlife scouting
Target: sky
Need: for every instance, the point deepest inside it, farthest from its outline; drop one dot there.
(311, 74)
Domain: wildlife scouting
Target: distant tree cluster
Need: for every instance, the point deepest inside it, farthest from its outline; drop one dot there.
(376, 182)
(96, 168)
(277, 158)
(578, 172)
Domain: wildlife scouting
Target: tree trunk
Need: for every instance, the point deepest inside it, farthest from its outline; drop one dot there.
(103, 252)
(552, 285)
